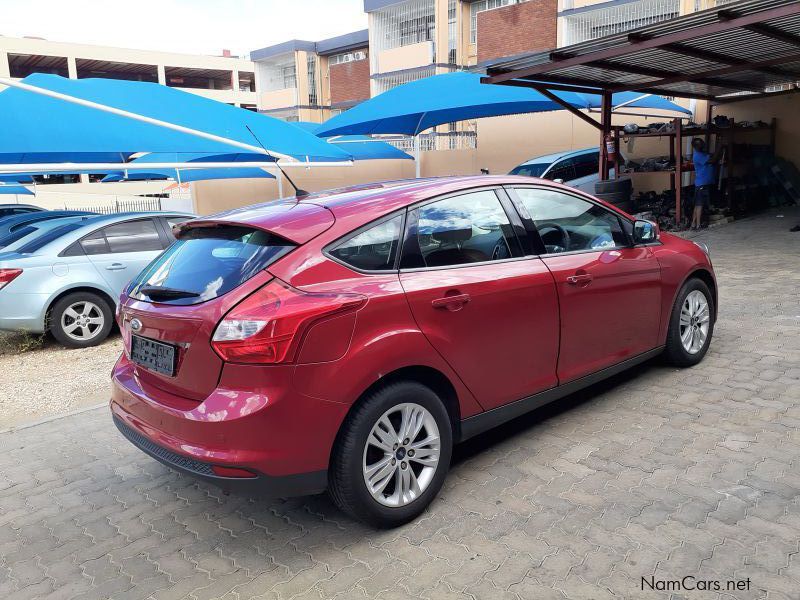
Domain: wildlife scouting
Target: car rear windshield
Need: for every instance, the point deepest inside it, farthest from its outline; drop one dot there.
(531, 170)
(16, 235)
(207, 262)
(46, 236)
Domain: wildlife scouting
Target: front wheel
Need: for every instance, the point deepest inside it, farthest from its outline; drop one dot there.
(392, 455)
(691, 324)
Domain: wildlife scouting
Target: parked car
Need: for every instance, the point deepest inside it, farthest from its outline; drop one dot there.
(347, 340)
(67, 278)
(576, 168)
(18, 226)
(9, 210)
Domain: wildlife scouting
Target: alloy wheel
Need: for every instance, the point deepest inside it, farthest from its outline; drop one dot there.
(695, 321)
(401, 455)
(82, 320)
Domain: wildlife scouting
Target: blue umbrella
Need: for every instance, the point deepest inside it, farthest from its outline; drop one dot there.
(361, 147)
(35, 124)
(15, 189)
(420, 105)
(16, 178)
(189, 175)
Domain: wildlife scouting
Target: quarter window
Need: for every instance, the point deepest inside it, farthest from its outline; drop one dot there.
(567, 223)
(470, 228)
(94, 243)
(373, 249)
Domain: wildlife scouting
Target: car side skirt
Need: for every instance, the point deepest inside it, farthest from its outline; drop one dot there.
(484, 421)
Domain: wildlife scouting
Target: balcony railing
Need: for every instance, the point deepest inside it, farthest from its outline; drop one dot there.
(451, 140)
(608, 20)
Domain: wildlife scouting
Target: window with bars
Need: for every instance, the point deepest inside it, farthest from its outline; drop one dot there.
(387, 82)
(452, 32)
(599, 23)
(346, 57)
(311, 66)
(401, 24)
(279, 73)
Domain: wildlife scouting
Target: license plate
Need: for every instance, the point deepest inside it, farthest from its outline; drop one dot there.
(153, 355)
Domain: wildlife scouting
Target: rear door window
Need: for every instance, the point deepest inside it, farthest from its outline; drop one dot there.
(587, 164)
(133, 236)
(470, 228)
(563, 170)
(206, 263)
(371, 249)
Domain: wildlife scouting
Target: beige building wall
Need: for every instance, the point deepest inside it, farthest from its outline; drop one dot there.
(213, 196)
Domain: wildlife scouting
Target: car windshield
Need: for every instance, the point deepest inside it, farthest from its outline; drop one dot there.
(531, 170)
(206, 263)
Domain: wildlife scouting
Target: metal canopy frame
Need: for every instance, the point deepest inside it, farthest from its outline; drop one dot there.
(747, 46)
(728, 54)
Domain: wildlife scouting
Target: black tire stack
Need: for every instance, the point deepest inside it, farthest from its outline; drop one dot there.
(616, 191)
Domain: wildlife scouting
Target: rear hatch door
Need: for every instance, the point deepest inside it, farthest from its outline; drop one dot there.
(179, 299)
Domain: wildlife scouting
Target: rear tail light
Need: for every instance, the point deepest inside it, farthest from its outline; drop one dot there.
(8, 275)
(266, 328)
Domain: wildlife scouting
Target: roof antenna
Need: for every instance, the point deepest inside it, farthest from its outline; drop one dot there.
(297, 191)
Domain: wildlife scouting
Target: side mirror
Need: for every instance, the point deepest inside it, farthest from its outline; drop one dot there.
(558, 180)
(644, 232)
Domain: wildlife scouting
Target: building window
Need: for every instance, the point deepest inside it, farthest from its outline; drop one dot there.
(387, 82)
(452, 32)
(247, 82)
(311, 66)
(401, 24)
(593, 24)
(481, 6)
(289, 76)
(346, 57)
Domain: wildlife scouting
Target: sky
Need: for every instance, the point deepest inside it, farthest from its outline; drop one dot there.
(189, 26)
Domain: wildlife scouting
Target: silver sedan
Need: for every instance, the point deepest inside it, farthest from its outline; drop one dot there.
(66, 278)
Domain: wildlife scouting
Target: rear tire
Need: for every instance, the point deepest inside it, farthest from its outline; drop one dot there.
(371, 447)
(81, 320)
(691, 324)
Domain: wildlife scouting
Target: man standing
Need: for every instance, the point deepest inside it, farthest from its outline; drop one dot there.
(704, 177)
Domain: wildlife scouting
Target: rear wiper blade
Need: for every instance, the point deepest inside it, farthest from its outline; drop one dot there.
(155, 291)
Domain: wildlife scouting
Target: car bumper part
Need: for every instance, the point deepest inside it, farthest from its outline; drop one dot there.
(259, 485)
(266, 428)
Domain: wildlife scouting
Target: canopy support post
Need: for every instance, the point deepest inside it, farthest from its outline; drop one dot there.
(417, 162)
(605, 131)
(279, 177)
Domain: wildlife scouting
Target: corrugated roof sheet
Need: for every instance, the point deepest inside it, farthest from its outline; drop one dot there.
(745, 46)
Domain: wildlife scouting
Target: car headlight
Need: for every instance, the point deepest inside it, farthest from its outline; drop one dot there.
(704, 248)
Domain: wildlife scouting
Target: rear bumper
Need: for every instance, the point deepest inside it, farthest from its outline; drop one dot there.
(22, 312)
(261, 485)
(254, 420)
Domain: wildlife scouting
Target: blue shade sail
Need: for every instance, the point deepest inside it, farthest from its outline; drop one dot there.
(414, 107)
(55, 130)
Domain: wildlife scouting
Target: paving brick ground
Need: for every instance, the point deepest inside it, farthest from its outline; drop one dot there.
(658, 473)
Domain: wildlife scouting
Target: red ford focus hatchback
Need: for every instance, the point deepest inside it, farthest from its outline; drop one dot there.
(346, 340)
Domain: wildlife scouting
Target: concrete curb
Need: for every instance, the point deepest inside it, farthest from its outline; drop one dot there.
(44, 420)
